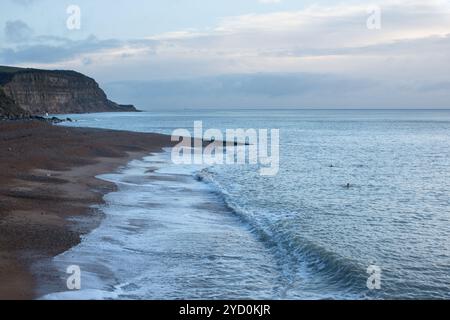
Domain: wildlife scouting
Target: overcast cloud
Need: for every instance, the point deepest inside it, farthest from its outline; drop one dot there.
(250, 53)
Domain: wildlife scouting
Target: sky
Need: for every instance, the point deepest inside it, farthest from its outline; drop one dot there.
(241, 53)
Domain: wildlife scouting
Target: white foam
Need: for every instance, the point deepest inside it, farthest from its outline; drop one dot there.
(166, 236)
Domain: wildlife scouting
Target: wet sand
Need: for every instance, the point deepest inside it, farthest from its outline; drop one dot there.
(47, 175)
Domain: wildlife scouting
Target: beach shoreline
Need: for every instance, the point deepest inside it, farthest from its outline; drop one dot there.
(48, 176)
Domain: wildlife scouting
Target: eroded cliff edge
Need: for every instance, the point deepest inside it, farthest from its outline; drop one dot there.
(36, 92)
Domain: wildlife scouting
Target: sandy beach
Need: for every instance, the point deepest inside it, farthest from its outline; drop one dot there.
(47, 175)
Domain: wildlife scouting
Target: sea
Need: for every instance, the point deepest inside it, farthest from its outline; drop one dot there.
(360, 209)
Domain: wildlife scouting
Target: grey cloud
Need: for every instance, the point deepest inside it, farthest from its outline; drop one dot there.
(416, 46)
(237, 90)
(436, 86)
(51, 49)
(58, 50)
(272, 85)
(17, 31)
(301, 90)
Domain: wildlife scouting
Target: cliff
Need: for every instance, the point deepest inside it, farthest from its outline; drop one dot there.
(9, 109)
(37, 92)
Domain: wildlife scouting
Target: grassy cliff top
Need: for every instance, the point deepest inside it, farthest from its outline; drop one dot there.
(5, 69)
(7, 73)
(12, 70)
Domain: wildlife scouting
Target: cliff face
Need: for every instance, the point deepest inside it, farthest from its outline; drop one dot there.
(39, 91)
(9, 109)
